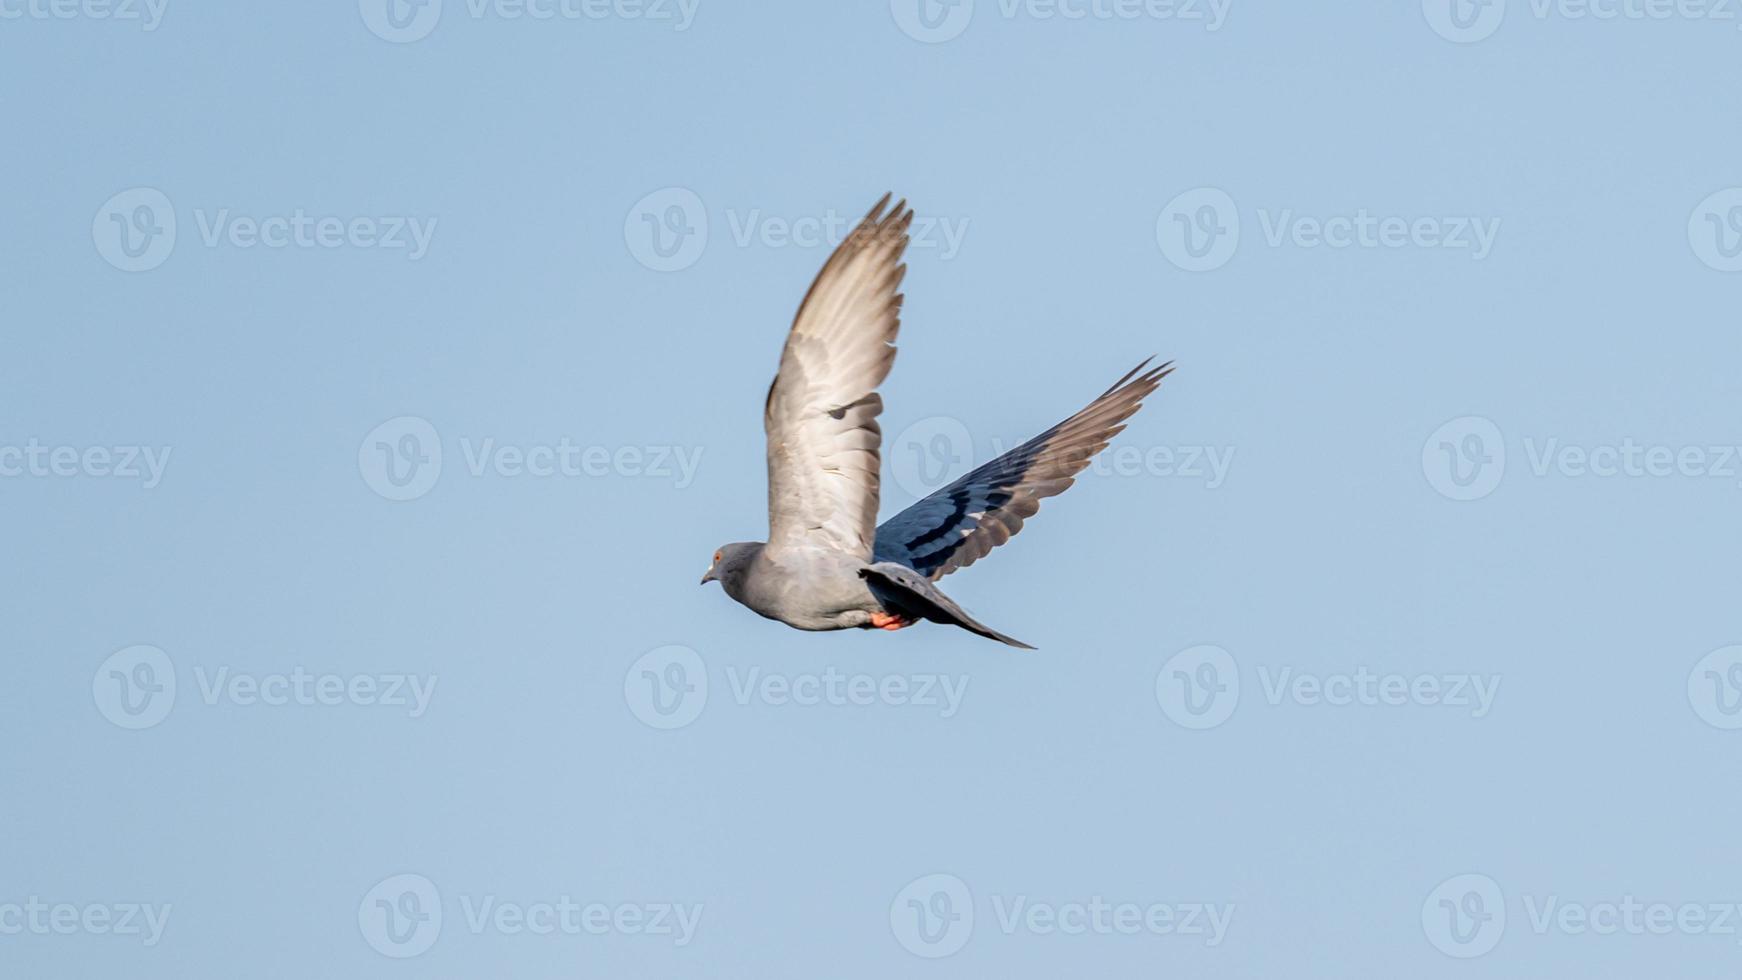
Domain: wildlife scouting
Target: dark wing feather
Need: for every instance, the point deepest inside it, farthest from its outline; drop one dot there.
(957, 525)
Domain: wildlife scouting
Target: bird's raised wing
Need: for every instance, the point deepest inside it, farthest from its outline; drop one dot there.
(821, 416)
(957, 525)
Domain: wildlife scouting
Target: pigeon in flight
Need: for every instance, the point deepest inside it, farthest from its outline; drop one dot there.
(827, 565)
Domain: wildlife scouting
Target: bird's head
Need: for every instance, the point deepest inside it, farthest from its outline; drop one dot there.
(730, 562)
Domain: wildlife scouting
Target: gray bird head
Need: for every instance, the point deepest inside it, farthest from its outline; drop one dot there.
(731, 562)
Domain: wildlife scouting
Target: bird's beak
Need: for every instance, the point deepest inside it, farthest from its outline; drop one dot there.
(710, 576)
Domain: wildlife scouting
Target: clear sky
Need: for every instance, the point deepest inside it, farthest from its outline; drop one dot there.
(376, 382)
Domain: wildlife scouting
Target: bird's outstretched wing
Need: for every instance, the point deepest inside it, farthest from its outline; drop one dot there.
(821, 415)
(959, 524)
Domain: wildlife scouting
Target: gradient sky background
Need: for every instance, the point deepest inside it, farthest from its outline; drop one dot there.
(545, 607)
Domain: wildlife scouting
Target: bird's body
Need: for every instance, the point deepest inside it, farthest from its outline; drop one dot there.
(805, 588)
(827, 565)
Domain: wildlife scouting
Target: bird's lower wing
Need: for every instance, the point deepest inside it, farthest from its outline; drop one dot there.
(959, 524)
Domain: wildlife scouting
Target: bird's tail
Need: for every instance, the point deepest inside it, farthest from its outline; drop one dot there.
(907, 590)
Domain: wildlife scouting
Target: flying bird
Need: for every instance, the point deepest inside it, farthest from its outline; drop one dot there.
(827, 564)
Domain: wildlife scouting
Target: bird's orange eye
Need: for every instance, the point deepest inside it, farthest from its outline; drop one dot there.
(716, 557)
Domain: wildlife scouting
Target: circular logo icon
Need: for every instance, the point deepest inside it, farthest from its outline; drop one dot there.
(667, 230)
(1464, 916)
(1715, 230)
(401, 917)
(400, 21)
(932, 21)
(1464, 21)
(667, 687)
(1715, 688)
(933, 916)
(1199, 229)
(135, 687)
(1465, 458)
(930, 453)
(1198, 687)
(135, 230)
(401, 458)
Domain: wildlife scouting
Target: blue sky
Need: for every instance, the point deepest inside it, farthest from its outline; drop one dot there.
(378, 380)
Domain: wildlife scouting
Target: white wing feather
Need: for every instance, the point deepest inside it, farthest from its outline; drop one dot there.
(821, 417)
